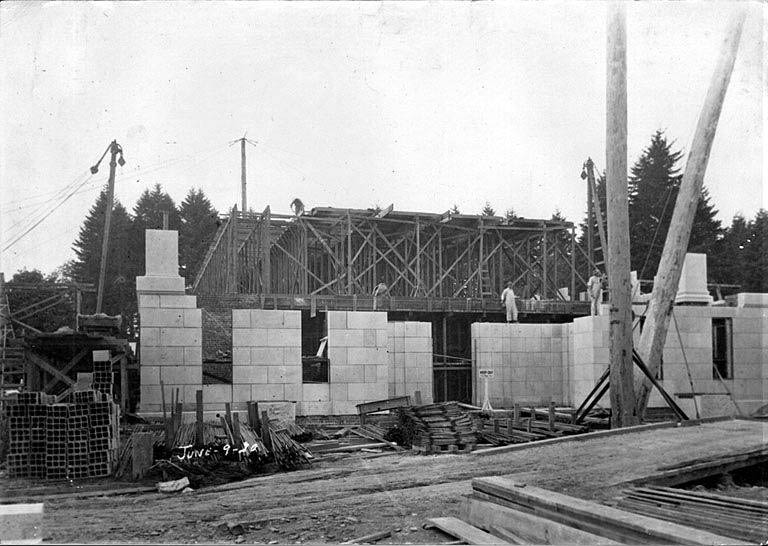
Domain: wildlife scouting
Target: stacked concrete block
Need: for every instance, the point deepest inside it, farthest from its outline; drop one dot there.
(57, 419)
(359, 361)
(266, 356)
(527, 361)
(170, 327)
(590, 356)
(77, 441)
(410, 359)
(18, 440)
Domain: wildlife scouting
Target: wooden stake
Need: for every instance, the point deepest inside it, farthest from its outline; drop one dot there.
(228, 413)
(236, 429)
(662, 299)
(551, 416)
(516, 415)
(265, 439)
(199, 417)
(620, 290)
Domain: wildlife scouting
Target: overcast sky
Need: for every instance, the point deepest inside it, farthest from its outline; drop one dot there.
(423, 105)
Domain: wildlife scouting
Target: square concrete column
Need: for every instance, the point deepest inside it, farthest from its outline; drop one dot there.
(693, 281)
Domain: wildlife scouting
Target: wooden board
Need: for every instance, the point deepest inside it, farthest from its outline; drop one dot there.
(21, 523)
(464, 531)
(592, 517)
(531, 528)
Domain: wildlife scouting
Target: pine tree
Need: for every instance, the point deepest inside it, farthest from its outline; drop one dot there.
(199, 223)
(654, 183)
(148, 214)
(121, 271)
(488, 210)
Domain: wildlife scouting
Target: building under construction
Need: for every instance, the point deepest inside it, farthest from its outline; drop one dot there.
(446, 269)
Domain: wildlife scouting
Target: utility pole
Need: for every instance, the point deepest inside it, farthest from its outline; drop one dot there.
(617, 262)
(114, 149)
(594, 205)
(242, 140)
(662, 299)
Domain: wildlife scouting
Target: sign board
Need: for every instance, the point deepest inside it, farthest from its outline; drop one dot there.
(485, 373)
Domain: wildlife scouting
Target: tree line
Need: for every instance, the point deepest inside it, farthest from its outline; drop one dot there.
(196, 220)
(736, 254)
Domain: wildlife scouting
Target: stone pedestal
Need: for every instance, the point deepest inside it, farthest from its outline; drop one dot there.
(170, 327)
(692, 288)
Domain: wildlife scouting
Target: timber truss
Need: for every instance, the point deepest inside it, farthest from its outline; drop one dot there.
(348, 252)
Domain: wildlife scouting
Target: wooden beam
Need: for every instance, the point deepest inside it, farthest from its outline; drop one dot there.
(659, 309)
(46, 366)
(533, 529)
(464, 531)
(65, 370)
(620, 325)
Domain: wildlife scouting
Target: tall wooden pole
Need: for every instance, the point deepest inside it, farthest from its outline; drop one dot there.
(114, 149)
(662, 299)
(242, 174)
(621, 381)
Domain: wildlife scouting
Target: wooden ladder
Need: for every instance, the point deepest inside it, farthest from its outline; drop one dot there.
(11, 357)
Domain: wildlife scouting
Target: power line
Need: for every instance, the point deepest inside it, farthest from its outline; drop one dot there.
(18, 238)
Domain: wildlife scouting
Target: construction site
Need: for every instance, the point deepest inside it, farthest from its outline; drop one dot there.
(376, 375)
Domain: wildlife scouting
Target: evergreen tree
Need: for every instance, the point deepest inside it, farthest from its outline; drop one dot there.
(654, 183)
(455, 209)
(488, 210)
(199, 223)
(121, 271)
(509, 215)
(148, 214)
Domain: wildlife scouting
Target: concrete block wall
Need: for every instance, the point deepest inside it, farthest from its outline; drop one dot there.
(266, 356)
(359, 362)
(410, 359)
(589, 356)
(170, 327)
(527, 360)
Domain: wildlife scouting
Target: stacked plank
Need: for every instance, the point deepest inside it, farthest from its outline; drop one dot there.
(522, 514)
(738, 518)
(439, 428)
(288, 454)
(508, 431)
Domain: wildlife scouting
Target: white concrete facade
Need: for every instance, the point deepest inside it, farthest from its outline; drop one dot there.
(528, 360)
(366, 356)
(410, 359)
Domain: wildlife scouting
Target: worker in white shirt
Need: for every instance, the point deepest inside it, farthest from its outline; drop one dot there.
(380, 291)
(595, 291)
(508, 299)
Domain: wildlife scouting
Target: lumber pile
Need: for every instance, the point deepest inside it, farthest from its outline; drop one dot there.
(438, 428)
(728, 516)
(288, 454)
(519, 429)
(523, 514)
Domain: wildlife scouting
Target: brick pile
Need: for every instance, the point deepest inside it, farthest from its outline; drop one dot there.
(75, 439)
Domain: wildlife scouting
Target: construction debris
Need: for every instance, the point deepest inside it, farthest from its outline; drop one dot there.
(173, 486)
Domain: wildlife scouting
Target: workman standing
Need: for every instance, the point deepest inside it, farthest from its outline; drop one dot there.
(595, 291)
(508, 299)
(380, 290)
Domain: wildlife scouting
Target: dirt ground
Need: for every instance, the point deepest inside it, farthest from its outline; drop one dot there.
(362, 494)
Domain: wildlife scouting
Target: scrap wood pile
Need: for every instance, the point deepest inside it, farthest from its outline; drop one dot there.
(288, 454)
(200, 472)
(728, 516)
(438, 428)
(529, 425)
(294, 431)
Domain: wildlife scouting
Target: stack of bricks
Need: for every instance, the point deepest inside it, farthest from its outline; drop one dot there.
(57, 418)
(72, 440)
(37, 432)
(77, 440)
(102, 376)
(18, 440)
